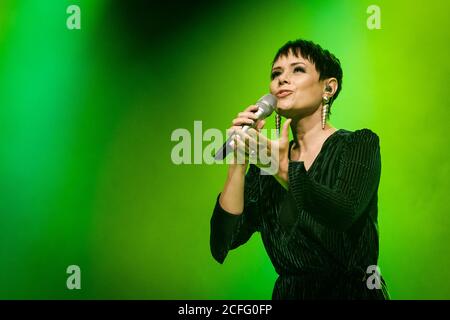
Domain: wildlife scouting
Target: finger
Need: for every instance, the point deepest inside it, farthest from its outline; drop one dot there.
(250, 154)
(237, 158)
(242, 121)
(260, 124)
(253, 135)
(240, 145)
(250, 141)
(260, 138)
(252, 108)
(234, 128)
(232, 131)
(247, 114)
(241, 151)
(285, 130)
(264, 144)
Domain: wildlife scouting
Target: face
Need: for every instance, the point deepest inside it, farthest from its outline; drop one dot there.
(295, 83)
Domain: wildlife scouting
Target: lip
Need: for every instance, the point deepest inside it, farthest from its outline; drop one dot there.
(283, 93)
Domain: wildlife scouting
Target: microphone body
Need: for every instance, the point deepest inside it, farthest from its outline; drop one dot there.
(266, 105)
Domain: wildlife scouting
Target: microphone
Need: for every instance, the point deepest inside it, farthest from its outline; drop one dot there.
(266, 105)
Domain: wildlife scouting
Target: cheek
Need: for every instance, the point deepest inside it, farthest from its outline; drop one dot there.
(272, 88)
(305, 83)
(308, 89)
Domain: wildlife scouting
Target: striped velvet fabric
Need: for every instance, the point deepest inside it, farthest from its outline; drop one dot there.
(322, 233)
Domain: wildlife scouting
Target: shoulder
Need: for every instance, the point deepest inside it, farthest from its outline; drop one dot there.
(362, 136)
(363, 146)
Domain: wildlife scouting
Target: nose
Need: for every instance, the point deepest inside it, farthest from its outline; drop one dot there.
(283, 78)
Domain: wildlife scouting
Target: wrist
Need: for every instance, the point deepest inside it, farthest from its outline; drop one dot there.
(239, 169)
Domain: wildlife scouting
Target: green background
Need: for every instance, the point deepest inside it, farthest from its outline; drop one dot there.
(86, 118)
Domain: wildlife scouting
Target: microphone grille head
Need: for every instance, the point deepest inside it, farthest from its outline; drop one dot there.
(267, 104)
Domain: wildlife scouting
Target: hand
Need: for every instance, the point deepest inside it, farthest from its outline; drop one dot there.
(270, 155)
(247, 117)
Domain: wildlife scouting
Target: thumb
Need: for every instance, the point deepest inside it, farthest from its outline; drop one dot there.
(260, 125)
(285, 130)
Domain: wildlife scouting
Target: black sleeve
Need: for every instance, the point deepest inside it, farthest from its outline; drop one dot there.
(341, 204)
(229, 231)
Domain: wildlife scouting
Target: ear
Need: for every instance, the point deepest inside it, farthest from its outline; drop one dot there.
(330, 86)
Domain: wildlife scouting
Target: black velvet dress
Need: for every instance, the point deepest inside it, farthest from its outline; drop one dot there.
(322, 233)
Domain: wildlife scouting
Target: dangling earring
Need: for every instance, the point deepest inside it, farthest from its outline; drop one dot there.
(325, 106)
(278, 123)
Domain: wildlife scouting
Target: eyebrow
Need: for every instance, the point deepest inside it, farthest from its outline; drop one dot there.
(292, 64)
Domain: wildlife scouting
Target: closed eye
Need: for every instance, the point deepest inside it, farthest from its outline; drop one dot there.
(274, 74)
(277, 73)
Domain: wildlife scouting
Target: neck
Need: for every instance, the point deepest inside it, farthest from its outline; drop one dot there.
(308, 132)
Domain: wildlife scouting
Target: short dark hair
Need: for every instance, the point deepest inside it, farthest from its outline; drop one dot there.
(326, 64)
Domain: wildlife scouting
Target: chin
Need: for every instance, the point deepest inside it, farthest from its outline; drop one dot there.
(286, 113)
(284, 106)
(289, 110)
